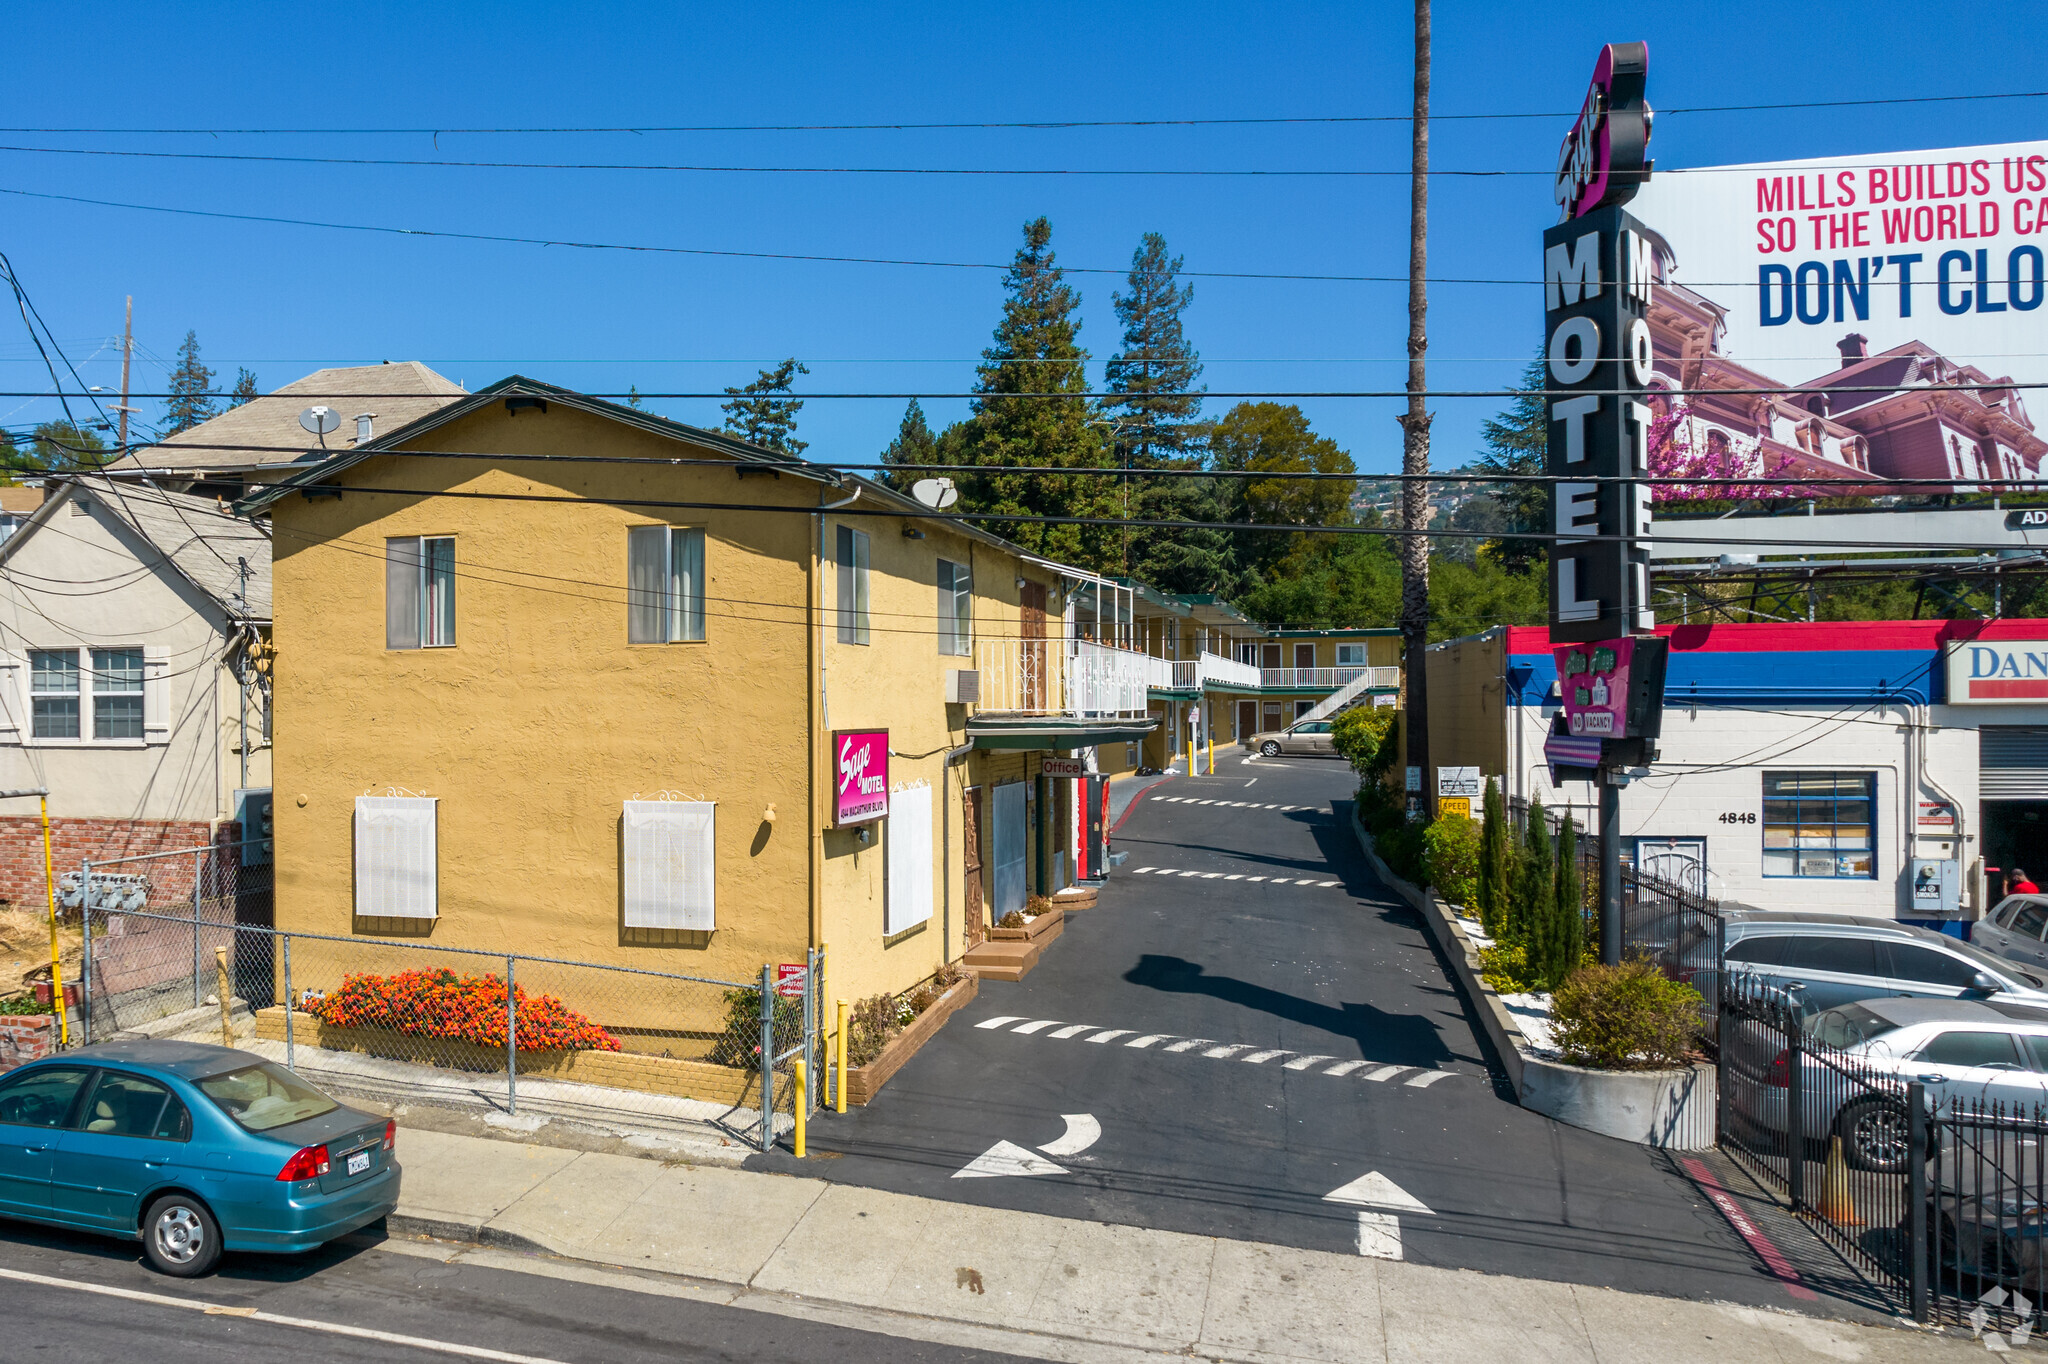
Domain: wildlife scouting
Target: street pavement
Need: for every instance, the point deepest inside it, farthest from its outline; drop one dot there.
(1246, 1023)
(419, 1305)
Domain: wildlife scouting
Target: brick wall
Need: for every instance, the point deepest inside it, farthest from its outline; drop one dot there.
(74, 840)
(25, 1038)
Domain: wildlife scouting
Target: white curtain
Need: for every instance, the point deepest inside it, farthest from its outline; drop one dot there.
(397, 857)
(910, 858)
(670, 872)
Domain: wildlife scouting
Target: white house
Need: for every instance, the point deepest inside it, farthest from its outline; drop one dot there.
(131, 619)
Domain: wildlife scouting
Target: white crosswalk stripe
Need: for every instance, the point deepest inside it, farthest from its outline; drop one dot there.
(1157, 1043)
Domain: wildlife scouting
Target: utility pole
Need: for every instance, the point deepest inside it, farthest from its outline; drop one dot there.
(1415, 431)
(127, 355)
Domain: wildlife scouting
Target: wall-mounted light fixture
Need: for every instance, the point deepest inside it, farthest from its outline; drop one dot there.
(912, 533)
(768, 815)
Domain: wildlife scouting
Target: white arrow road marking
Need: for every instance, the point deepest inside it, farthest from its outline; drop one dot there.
(1082, 1132)
(1006, 1159)
(1379, 1200)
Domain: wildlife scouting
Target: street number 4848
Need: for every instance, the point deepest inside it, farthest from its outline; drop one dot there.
(1739, 817)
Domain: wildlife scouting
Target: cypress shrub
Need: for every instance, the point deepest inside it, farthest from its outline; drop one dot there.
(1496, 885)
(1567, 939)
(1535, 899)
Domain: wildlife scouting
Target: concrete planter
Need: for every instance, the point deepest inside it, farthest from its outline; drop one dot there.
(863, 1082)
(1045, 927)
(1669, 1109)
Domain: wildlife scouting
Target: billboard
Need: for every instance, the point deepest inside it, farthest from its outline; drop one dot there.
(1899, 295)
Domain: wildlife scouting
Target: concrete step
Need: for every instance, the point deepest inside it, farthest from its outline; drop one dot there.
(1002, 960)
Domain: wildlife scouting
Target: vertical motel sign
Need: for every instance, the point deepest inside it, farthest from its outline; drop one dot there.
(1597, 273)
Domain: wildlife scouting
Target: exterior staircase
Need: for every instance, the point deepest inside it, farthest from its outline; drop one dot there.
(1341, 697)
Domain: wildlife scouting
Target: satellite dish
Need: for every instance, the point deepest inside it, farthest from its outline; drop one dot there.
(936, 493)
(320, 420)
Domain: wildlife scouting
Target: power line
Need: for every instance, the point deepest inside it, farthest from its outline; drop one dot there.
(1042, 124)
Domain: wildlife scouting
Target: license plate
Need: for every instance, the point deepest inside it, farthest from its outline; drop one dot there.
(358, 1162)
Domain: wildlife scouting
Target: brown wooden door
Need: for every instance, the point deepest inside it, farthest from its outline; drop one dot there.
(1247, 719)
(1304, 656)
(1271, 657)
(974, 925)
(1032, 646)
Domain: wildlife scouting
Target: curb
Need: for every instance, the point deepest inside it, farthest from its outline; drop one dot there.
(468, 1233)
(1670, 1110)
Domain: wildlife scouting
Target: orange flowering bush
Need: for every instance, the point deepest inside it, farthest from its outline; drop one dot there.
(457, 1009)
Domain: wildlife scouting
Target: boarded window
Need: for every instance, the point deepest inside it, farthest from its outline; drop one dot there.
(910, 859)
(670, 872)
(397, 857)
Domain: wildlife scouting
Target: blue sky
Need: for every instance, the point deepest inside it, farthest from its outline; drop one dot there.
(285, 300)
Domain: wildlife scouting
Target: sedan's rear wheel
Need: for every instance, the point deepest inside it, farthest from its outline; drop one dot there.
(180, 1236)
(1873, 1133)
(1271, 748)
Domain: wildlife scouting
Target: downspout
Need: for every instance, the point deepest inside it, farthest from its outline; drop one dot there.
(954, 757)
(1916, 761)
(823, 740)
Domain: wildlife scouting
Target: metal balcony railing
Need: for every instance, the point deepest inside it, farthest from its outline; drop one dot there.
(1329, 677)
(1102, 680)
(1227, 672)
(1186, 675)
(1061, 677)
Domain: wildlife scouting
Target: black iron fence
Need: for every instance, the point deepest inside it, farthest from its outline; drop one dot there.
(1945, 1207)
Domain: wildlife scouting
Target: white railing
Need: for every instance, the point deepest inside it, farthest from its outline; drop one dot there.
(1158, 673)
(1061, 677)
(1021, 676)
(1186, 675)
(1106, 681)
(1330, 677)
(1228, 672)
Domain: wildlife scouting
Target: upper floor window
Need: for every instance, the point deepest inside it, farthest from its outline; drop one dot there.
(53, 692)
(956, 608)
(1351, 655)
(419, 592)
(853, 586)
(1820, 824)
(664, 584)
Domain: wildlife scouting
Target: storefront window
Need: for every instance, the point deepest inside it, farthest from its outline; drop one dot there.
(1820, 824)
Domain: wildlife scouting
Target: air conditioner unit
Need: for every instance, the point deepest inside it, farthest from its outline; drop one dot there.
(963, 687)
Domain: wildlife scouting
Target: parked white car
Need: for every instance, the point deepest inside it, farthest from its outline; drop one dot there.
(1968, 1050)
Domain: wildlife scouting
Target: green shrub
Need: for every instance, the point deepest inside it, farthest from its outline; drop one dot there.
(1626, 1017)
(1366, 735)
(1450, 857)
(1505, 967)
(24, 1004)
(1535, 883)
(740, 1043)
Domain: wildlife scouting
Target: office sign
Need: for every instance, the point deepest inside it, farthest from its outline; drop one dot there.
(1061, 767)
(861, 780)
(1457, 781)
(1998, 672)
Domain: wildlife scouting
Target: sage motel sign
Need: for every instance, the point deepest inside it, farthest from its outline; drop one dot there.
(1597, 273)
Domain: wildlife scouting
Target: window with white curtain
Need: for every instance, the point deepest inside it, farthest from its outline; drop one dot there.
(664, 584)
(909, 866)
(669, 864)
(853, 586)
(397, 857)
(956, 608)
(419, 592)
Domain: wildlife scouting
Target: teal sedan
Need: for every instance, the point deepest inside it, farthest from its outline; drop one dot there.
(190, 1149)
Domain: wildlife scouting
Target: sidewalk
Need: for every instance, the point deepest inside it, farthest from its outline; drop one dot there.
(1055, 1288)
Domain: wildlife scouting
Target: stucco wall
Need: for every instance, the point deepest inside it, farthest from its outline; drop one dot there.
(1466, 726)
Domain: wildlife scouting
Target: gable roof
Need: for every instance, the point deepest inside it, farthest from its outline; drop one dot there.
(872, 493)
(192, 536)
(265, 432)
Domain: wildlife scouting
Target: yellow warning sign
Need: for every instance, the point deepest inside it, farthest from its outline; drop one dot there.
(1454, 805)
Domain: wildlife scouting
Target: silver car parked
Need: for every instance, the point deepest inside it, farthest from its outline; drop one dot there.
(1825, 960)
(2015, 930)
(1304, 736)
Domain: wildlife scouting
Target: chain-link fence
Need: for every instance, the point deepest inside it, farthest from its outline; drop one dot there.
(395, 1023)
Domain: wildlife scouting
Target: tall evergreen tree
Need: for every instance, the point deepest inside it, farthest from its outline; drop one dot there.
(1496, 860)
(1536, 891)
(763, 414)
(1037, 351)
(1154, 417)
(193, 398)
(1516, 442)
(244, 389)
(914, 444)
(1566, 941)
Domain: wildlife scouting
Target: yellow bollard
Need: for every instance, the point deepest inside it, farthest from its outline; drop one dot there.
(56, 962)
(839, 1044)
(803, 1106)
(220, 971)
(1212, 755)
